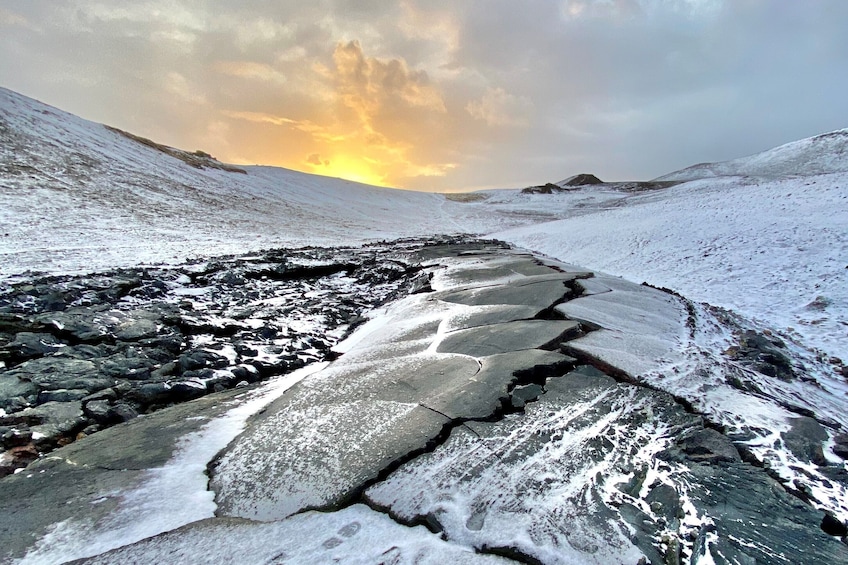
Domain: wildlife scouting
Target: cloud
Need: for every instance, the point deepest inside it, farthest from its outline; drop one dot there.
(8, 18)
(250, 70)
(315, 159)
(438, 94)
(177, 85)
(499, 108)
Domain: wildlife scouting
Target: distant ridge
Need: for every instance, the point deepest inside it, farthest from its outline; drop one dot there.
(580, 180)
(817, 155)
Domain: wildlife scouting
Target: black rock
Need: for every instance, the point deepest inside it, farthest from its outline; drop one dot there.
(201, 359)
(151, 393)
(122, 412)
(188, 389)
(29, 345)
(14, 388)
(665, 501)
(61, 395)
(709, 446)
(97, 410)
(16, 437)
(804, 440)
(763, 354)
(833, 526)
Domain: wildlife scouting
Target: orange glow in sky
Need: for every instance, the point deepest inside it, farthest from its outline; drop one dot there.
(441, 96)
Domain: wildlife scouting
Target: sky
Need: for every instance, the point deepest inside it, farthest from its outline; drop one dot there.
(442, 95)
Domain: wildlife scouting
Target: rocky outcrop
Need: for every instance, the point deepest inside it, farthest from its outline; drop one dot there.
(129, 342)
(502, 412)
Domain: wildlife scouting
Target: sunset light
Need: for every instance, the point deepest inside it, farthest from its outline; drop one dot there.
(438, 96)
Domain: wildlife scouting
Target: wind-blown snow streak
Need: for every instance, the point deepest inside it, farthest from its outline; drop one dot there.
(168, 497)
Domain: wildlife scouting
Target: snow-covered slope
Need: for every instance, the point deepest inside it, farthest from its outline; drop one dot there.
(772, 250)
(770, 245)
(79, 196)
(820, 154)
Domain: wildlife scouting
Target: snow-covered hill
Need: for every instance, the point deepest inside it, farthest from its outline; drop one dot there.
(763, 236)
(774, 250)
(821, 154)
(771, 245)
(79, 196)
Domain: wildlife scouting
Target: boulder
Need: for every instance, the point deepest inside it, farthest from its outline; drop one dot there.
(201, 359)
(840, 447)
(29, 345)
(61, 395)
(805, 439)
(763, 354)
(13, 388)
(134, 329)
(104, 413)
(54, 420)
(60, 372)
(79, 324)
(709, 446)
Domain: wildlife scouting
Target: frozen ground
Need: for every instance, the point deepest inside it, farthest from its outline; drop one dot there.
(502, 443)
(774, 250)
(80, 197)
(763, 237)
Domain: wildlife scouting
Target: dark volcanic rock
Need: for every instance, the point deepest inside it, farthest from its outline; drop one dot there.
(841, 445)
(163, 335)
(15, 390)
(60, 372)
(53, 421)
(709, 446)
(833, 526)
(805, 440)
(29, 345)
(764, 354)
(201, 359)
(583, 179)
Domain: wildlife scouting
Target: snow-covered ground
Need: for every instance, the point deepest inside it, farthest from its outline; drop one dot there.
(763, 236)
(77, 196)
(773, 247)
(773, 250)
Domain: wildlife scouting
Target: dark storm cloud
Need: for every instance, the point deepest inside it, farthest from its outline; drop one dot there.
(443, 94)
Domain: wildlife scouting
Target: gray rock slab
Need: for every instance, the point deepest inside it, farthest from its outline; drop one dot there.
(641, 327)
(537, 482)
(503, 338)
(407, 379)
(500, 269)
(79, 481)
(493, 314)
(316, 456)
(540, 291)
(432, 253)
(590, 453)
(626, 307)
(482, 395)
(355, 534)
